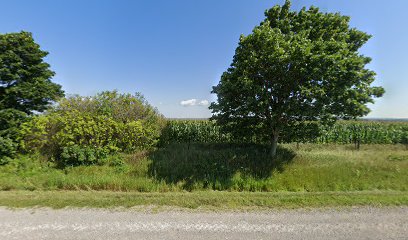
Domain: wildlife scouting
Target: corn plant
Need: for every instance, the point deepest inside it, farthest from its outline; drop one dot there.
(342, 132)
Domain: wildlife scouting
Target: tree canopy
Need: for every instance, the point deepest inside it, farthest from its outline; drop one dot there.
(25, 78)
(295, 67)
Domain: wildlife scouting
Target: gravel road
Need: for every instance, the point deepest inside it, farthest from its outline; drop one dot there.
(350, 223)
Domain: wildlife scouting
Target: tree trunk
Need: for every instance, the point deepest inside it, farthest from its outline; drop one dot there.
(274, 145)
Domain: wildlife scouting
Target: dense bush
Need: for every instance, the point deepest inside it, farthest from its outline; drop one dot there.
(10, 121)
(82, 155)
(404, 139)
(7, 150)
(107, 123)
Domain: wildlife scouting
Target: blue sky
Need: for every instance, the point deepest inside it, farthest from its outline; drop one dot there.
(173, 52)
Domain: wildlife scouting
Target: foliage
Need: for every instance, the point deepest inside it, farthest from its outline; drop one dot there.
(108, 122)
(25, 79)
(121, 107)
(76, 155)
(404, 139)
(7, 150)
(302, 133)
(25, 82)
(10, 120)
(293, 68)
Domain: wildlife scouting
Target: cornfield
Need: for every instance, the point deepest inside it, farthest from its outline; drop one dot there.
(199, 131)
(345, 132)
(342, 132)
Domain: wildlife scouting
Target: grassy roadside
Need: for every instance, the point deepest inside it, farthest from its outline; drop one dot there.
(178, 168)
(205, 200)
(217, 177)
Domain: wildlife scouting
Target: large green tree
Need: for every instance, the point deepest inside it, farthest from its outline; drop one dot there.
(25, 81)
(25, 78)
(295, 67)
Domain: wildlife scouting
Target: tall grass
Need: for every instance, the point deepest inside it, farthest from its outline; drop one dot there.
(230, 167)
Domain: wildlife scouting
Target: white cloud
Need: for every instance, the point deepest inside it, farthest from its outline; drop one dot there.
(190, 102)
(203, 103)
(194, 102)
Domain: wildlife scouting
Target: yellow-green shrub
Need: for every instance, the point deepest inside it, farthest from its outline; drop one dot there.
(79, 124)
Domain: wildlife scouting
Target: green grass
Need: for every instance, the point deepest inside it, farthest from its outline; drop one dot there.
(236, 168)
(217, 176)
(203, 200)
